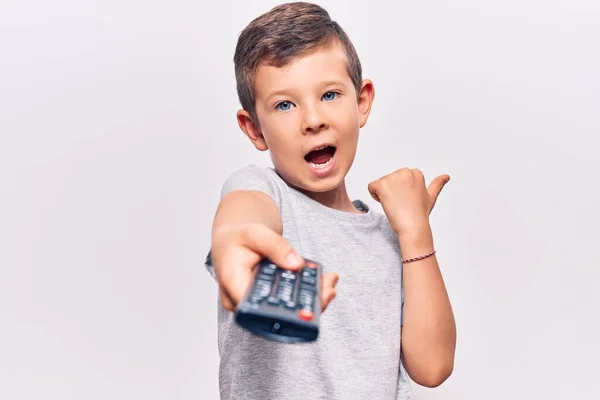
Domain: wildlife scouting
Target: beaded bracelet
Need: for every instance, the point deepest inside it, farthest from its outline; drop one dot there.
(418, 258)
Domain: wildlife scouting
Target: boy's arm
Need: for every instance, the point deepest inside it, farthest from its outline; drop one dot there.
(428, 331)
(241, 207)
(247, 227)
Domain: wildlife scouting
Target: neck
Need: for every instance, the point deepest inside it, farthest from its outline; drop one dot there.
(337, 199)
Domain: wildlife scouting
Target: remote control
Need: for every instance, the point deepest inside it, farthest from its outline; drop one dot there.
(283, 305)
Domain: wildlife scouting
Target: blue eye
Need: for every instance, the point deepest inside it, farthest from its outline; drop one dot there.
(329, 96)
(284, 106)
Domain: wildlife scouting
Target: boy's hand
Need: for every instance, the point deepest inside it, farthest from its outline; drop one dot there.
(236, 252)
(406, 201)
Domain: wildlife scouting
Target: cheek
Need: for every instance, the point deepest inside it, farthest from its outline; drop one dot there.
(278, 143)
(280, 134)
(348, 112)
(349, 121)
(282, 150)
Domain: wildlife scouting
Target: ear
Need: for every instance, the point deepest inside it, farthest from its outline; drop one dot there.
(251, 130)
(365, 101)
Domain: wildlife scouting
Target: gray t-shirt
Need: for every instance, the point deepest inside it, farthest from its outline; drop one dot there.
(357, 354)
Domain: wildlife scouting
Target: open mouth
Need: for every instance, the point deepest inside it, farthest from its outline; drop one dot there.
(320, 157)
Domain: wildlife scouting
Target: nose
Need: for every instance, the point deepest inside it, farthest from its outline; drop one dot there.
(313, 121)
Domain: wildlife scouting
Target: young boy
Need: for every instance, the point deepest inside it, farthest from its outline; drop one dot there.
(304, 100)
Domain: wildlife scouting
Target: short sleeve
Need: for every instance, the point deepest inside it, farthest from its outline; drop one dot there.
(253, 178)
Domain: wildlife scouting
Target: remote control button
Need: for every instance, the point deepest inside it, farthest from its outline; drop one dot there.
(268, 269)
(308, 288)
(254, 299)
(311, 264)
(290, 304)
(305, 315)
(305, 299)
(309, 272)
(265, 279)
(274, 301)
(262, 286)
(284, 291)
(288, 276)
(261, 291)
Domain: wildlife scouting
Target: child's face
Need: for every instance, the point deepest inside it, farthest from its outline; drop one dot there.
(309, 103)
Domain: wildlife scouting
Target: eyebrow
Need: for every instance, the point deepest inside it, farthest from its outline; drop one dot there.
(332, 83)
(321, 84)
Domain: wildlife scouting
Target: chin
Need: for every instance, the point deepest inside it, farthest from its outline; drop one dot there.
(309, 184)
(326, 185)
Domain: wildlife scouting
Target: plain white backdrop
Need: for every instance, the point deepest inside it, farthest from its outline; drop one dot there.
(117, 130)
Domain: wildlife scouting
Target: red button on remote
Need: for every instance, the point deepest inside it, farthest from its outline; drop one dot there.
(306, 315)
(311, 264)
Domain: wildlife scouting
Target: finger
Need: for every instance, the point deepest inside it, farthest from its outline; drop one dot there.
(372, 187)
(235, 271)
(273, 246)
(226, 301)
(328, 282)
(436, 186)
(417, 173)
(327, 298)
(235, 283)
(256, 241)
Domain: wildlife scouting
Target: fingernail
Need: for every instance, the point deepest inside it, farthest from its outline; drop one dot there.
(293, 259)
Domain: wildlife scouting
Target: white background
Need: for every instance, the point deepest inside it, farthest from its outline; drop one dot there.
(117, 130)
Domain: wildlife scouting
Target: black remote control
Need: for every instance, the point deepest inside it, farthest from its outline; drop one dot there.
(283, 305)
